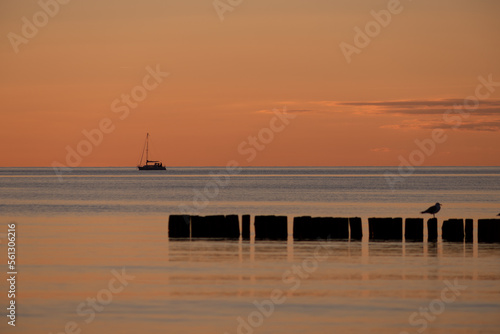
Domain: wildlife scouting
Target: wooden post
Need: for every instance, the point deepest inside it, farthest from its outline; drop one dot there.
(245, 227)
(271, 227)
(432, 230)
(209, 227)
(178, 226)
(337, 228)
(356, 227)
(414, 229)
(453, 230)
(232, 227)
(320, 228)
(216, 226)
(198, 227)
(488, 230)
(302, 229)
(386, 228)
(469, 230)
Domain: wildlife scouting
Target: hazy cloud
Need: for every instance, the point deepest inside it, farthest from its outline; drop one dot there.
(270, 111)
(300, 110)
(490, 126)
(418, 103)
(414, 107)
(381, 149)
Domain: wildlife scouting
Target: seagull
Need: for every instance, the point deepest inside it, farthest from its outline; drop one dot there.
(433, 209)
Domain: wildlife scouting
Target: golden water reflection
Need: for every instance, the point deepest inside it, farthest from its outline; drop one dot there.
(192, 286)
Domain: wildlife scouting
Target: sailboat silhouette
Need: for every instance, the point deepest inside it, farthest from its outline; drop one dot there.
(150, 164)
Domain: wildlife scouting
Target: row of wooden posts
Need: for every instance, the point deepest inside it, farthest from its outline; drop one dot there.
(322, 228)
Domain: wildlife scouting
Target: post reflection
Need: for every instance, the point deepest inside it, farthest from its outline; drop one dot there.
(262, 263)
(289, 249)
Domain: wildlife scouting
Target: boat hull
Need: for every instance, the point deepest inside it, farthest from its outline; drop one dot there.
(151, 167)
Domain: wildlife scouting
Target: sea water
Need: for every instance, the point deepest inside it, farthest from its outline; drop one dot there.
(467, 192)
(93, 254)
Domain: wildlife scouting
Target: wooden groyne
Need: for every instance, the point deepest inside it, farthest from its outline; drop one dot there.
(432, 230)
(245, 227)
(309, 228)
(179, 226)
(356, 228)
(488, 230)
(385, 228)
(453, 230)
(469, 230)
(414, 229)
(271, 227)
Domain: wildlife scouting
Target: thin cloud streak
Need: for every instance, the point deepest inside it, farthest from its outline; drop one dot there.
(488, 126)
(412, 107)
(269, 111)
(416, 103)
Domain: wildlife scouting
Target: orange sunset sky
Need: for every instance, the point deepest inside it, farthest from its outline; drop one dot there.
(226, 76)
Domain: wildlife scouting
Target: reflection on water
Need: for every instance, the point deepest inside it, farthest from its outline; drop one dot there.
(207, 286)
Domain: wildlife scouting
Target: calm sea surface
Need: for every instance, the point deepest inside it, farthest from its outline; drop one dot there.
(93, 255)
(353, 191)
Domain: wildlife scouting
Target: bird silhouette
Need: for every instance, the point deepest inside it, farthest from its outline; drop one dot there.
(433, 209)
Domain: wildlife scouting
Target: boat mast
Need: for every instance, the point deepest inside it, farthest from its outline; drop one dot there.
(147, 147)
